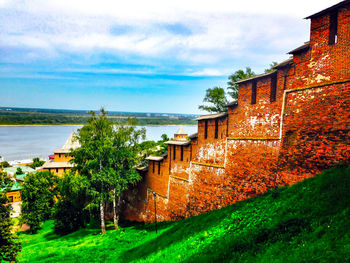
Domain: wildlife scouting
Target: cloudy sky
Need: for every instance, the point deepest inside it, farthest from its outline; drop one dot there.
(142, 56)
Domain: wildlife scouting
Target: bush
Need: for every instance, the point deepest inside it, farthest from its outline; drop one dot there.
(37, 163)
(9, 245)
(38, 194)
(69, 212)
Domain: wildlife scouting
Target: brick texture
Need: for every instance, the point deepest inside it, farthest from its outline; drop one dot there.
(263, 145)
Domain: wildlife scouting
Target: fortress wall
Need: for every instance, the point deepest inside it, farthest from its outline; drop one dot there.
(158, 182)
(178, 198)
(211, 153)
(222, 130)
(148, 213)
(263, 145)
(315, 131)
(206, 189)
(260, 120)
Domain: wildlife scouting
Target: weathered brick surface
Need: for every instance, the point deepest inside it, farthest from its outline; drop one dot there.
(158, 182)
(211, 153)
(262, 145)
(260, 120)
(178, 198)
(316, 130)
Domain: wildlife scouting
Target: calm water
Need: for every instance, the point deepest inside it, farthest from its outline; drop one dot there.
(27, 142)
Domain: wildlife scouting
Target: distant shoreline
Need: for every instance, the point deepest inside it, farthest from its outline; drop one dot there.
(38, 125)
(44, 125)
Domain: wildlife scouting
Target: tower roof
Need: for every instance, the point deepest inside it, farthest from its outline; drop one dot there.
(181, 131)
(329, 9)
(71, 143)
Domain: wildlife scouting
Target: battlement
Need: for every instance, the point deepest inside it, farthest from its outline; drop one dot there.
(286, 125)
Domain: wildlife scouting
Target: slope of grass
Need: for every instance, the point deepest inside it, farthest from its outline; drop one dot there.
(308, 222)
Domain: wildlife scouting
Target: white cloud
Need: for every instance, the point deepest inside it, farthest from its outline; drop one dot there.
(158, 10)
(228, 29)
(209, 72)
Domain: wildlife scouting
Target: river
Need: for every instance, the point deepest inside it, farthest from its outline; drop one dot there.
(27, 142)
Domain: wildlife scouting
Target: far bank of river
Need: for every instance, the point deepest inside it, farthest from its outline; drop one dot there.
(25, 142)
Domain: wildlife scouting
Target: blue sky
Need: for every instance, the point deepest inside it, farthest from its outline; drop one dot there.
(142, 56)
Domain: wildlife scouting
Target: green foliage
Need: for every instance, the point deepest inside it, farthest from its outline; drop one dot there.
(107, 159)
(19, 171)
(126, 148)
(217, 99)
(148, 148)
(163, 147)
(271, 67)
(38, 193)
(308, 222)
(164, 137)
(37, 163)
(4, 164)
(233, 78)
(68, 117)
(9, 245)
(69, 213)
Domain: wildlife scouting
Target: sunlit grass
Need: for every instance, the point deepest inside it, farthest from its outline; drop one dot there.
(308, 222)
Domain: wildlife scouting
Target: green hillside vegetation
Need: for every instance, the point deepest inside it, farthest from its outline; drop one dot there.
(18, 117)
(307, 222)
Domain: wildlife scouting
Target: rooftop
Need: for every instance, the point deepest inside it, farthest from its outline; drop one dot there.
(182, 143)
(212, 116)
(256, 77)
(71, 143)
(232, 103)
(142, 168)
(181, 131)
(303, 47)
(20, 177)
(157, 158)
(329, 9)
(284, 63)
(51, 165)
(15, 187)
(193, 136)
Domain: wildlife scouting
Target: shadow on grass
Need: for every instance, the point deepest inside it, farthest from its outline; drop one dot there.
(173, 233)
(149, 227)
(321, 197)
(83, 232)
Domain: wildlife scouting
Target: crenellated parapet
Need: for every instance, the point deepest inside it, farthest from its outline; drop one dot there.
(286, 125)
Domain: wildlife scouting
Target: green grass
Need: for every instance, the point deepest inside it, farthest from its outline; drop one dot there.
(308, 222)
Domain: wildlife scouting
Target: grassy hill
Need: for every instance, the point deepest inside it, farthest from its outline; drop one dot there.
(308, 222)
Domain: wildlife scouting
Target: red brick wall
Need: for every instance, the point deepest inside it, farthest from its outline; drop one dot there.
(265, 145)
(211, 153)
(178, 198)
(158, 182)
(260, 120)
(222, 130)
(316, 130)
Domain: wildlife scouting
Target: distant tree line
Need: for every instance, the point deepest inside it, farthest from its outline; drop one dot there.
(11, 118)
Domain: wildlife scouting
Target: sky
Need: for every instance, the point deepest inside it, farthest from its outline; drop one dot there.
(139, 56)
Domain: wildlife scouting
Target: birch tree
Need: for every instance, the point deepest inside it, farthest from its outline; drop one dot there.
(126, 150)
(107, 158)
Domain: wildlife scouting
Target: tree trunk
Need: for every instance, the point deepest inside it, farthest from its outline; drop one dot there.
(102, 214)
(115, 210)
(102, 208)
